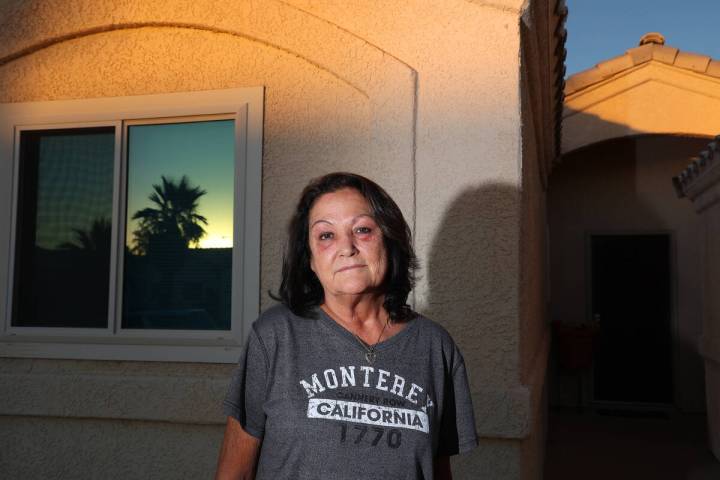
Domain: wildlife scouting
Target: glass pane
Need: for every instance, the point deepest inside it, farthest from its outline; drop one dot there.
(62, 254)
(179, 237)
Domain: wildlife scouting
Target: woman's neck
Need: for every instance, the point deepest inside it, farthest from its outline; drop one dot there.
(357, 311)
(365, 317)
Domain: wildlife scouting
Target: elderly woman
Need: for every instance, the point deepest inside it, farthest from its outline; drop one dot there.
(343, 380)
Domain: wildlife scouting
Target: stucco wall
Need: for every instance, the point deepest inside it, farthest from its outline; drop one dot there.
(711, 326)
(699, 184)
(624, 186)
(538, 154)
(421, 96)
(650, 98)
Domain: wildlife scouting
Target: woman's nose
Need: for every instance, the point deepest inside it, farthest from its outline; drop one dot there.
(347, 245)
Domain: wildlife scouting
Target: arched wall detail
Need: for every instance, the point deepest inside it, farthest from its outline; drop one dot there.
(110, 28)
(388, 84)
(317, 68)
(324, 44)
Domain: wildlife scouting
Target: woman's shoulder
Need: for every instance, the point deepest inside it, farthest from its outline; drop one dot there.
(433, 330)
(276, 319)
(438, 341)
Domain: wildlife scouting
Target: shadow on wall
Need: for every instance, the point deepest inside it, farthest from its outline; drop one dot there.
(472, 275)
(581, 129)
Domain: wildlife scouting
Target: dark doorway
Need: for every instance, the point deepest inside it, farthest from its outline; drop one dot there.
(631, 299)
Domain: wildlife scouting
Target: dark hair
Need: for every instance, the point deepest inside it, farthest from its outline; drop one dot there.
(300, 289)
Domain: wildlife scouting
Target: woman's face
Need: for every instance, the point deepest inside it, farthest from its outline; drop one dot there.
(346, 244)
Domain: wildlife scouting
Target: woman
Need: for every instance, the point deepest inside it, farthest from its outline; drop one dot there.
(343, 380)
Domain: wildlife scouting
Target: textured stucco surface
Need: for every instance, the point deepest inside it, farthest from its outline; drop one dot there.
(88, 448)
(423, 97)
(492, 459)
(537, 154)
(711, 283)
(180, 393)
(624, 186)
(710, 218)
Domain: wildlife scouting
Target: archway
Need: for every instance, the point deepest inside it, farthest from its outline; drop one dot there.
(609, 205)
(630, 124)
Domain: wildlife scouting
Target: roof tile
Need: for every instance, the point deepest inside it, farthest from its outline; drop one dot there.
(651, 48)
(713, 68)
(664, 54)
(692, 61)
(641, 54)
(581, 80)
(614, 65)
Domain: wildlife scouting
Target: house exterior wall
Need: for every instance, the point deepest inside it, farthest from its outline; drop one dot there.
(651, 97)
(534, 331)
(711, 321)
(423, 97)
(624, 186)
(538, 153)
(700, 183)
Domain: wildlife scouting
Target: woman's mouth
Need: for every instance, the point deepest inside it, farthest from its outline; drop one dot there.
(349, 267)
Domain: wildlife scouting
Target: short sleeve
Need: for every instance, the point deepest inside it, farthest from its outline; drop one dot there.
(457, 427)
(246, 395)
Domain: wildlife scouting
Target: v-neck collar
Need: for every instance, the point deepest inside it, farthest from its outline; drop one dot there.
(352, 339)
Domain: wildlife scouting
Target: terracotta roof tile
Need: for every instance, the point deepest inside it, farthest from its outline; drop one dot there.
(664, 54)
(692, 61)
(581, 80)
(713, 68)
(651, 47)
(704, 161)
(614, 65)
(641, 54)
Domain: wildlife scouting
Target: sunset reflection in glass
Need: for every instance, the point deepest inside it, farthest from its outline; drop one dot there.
(179, 225)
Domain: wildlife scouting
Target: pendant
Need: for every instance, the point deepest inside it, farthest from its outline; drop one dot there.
(370, 357)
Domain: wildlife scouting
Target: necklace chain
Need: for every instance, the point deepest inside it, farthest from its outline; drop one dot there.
(369, 349)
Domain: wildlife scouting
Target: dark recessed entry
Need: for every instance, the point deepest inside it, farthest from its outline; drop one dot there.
(631, 297)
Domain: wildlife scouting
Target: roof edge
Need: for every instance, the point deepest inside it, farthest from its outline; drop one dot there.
(696, 178)
(649, 50)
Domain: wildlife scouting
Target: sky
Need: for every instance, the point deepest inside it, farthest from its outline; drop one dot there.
(602, 29)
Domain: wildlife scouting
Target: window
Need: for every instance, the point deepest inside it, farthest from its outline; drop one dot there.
(133, 227)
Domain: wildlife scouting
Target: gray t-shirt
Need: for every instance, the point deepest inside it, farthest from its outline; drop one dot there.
(304, 386)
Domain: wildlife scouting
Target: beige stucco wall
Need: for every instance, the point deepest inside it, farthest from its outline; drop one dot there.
(624, 186)
(424, 97)
(534, 332)
(649, 98)
(701, 185)
(711, 325)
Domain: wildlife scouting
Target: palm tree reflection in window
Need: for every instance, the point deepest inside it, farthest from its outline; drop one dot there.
(168, 284)
(96, 240)
(174, 223)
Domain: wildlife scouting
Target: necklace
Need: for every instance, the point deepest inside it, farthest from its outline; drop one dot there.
(370, 349)
(370, 354)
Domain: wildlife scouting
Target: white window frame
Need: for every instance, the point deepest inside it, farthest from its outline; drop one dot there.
(245, 107)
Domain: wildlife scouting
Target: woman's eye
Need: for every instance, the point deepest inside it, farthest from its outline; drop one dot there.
(325, 236)
(363, 230)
